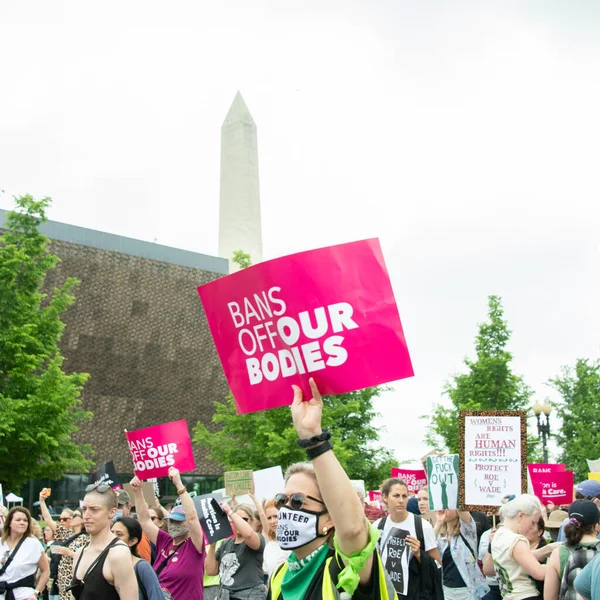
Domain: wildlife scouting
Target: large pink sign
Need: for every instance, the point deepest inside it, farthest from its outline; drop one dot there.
(415, 479)
(329, 314)
(554, 487)
(155, 449)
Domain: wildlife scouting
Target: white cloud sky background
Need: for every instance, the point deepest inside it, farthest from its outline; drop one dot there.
(464, 135)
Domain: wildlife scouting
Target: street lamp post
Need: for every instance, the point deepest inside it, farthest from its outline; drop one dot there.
(543, 425)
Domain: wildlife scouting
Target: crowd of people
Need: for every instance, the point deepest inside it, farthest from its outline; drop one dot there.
(316, 539)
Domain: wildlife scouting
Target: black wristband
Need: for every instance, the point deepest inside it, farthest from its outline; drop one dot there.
(312, 453)
(315, 439)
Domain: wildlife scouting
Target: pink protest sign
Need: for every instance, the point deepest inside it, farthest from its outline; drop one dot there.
(554, 487)
(375, 496)
(157, 448)
(328, 314)
(415, 479)
(541, 468)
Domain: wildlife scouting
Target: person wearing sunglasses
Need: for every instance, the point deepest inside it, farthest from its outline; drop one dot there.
(69, 537)
(103, 569)
(238, 561)
(180, 553)
(321, 520)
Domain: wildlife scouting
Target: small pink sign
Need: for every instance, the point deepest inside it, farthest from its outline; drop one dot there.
(375, 496)
(554, 487)
(328, 314)
(545, 468)
(155, 449)
(415, 479)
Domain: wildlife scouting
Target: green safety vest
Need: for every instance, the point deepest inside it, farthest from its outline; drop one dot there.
(329, 591)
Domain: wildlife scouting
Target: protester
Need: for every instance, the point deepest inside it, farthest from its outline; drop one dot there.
(456, 534)
(238, 561)
(103, 570)
(179, 563)
(128, 530)
(21, 555)
(568, 560)
(273, 554)
(554, 523)
(124, 510)
(417, 570)
(423, 500)
(487, 565)
(513, 558)
(157, 516)
(589, 489)
(317, 507)
(69, 537)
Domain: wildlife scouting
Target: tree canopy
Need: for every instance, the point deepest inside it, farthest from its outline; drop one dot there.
(579, 435)
(488, 384)
(39, 402)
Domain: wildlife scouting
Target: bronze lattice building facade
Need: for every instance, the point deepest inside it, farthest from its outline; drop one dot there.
(139, 329)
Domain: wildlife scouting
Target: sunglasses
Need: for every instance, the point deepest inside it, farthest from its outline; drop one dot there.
(97, 487)
(295, 501)
(61, 519)
(76, 514)
(154, 519)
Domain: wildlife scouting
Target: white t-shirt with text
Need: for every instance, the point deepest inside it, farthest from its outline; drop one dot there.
(24, 563)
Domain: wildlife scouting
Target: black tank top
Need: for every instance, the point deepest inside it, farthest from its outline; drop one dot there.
(94, 586)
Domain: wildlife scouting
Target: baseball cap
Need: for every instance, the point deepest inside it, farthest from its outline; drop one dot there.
(177, 514)
(123, 497)
(556, 518)
(585, 511)
(589, 488)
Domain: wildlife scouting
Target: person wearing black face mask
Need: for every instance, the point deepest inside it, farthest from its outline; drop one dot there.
(321, 520)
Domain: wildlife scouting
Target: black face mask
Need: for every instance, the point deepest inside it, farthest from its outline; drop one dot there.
(296, 528)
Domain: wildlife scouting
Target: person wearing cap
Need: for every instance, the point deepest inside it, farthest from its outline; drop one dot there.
(589, 489)
(180, 554)
(555, 521)
(582, 545)
(124, 510)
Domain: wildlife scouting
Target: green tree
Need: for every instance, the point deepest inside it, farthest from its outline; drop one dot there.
(579, 436)
(39, 403)
(267, 438)
(489, 383)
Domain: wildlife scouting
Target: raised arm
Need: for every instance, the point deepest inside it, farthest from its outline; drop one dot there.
(141, 508)
(352, 530)
(261, 514)
(243, 528)
(211, 566)
(50, 522)
(191, 515)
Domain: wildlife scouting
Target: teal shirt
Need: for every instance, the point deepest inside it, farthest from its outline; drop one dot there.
(587, 582)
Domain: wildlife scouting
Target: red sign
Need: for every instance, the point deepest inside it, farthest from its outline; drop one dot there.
(541, 468)
(375, 496)
(554, 487)
(328, 314)
(155, 449)
(415, 479)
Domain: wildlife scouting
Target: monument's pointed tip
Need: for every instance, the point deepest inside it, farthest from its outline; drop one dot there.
(238, 111)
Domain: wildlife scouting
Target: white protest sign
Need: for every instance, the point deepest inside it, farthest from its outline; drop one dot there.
(268, 482)
(594, 465)
(492, 459)
(442, 481)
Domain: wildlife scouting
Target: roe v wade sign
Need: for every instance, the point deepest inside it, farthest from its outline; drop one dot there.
(328, 314)
(493, 457)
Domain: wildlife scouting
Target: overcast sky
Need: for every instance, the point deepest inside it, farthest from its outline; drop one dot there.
(463, 134)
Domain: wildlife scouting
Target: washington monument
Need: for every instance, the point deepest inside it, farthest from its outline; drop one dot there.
(239, 210)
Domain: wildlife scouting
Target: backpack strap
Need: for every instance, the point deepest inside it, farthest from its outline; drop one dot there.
(381, 524)
(139, 580)
(12, 555)
(419, 531)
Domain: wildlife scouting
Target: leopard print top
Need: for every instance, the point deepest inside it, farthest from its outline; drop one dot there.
(65, 566)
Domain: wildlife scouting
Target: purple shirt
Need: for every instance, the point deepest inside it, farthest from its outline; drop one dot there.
(184, 574)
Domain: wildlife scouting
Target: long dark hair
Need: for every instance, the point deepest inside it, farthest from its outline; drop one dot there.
(10, 517)
(574, 531)
(134, 530)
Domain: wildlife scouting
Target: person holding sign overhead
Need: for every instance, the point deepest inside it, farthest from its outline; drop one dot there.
(319, 509)
(456, 535)
(180, 556)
